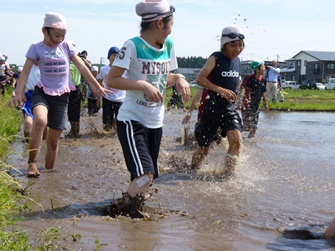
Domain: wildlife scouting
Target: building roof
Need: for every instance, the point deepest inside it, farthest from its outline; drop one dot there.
(320, 55)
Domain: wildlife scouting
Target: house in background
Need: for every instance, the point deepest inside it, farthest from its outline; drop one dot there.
(318, 66)
(310, 65)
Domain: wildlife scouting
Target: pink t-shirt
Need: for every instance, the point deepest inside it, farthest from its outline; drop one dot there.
(54, 64)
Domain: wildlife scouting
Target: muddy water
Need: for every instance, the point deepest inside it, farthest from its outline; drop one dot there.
(282, 193)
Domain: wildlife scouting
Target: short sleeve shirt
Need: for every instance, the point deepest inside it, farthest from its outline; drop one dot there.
(54, 64)
(144, 62)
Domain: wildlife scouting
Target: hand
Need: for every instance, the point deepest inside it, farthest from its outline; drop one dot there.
(229, 95)
(183, 88)
(186, 118)
(152, 93)
(17, 101)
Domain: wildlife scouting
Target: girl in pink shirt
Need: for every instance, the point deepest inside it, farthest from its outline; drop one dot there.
(51, 94)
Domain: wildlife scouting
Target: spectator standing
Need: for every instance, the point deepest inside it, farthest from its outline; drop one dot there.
(112, 102)
(272, 75)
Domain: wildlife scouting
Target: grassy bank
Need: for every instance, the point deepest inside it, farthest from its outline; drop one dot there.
(306, 100)
(12, 202)
(295, 100)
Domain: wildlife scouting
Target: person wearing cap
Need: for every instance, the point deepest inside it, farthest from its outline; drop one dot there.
(221, 76)
(51, 94)
(93, 103)
(16, 78)
(143, 68)
(254, 86)
(4, 74)
(112, 102)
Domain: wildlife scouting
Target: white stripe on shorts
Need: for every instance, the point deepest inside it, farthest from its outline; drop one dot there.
(133, 149)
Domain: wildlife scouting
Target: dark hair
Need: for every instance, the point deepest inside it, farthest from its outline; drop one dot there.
(145, 25)
(48, 30)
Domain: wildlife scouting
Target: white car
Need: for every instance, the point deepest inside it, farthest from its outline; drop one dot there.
(290, 85)
(330, 85)
(320, 86)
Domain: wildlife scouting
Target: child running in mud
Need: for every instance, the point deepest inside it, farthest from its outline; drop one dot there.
(254, 87)
(221, 76)
(146, 61)
(51, 94)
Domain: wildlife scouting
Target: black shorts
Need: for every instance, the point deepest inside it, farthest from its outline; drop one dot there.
(207, 128)
(140, 147)
(56, 105)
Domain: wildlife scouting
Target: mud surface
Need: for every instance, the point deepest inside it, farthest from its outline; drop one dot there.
(280, 188)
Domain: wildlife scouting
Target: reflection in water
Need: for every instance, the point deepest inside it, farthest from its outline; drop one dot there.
(284, 184)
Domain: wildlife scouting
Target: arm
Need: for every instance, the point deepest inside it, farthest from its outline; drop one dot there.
(195, 101)
(115, 80)
(202, 80)
(266, 107)
(19, 97)
(181, 84)
(95, 86)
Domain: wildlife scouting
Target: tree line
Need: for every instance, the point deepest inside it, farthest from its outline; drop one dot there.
(191, 62)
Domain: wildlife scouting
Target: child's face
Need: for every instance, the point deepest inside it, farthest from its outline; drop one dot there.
(262, 69)
(55, 36)
(233, 49)
(94, 73)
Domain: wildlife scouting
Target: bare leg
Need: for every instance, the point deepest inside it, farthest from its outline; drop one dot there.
(52, 148)
(39, 123)
(252, 133)
(27, 125)
(198, 156)
(235, 143)
(75, 129)
(330, 231)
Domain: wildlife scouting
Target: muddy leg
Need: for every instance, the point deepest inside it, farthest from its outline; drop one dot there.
(330, 231)
(52, 148)
(75, 129)
(39, 123)
(198, 156)
(252, 133)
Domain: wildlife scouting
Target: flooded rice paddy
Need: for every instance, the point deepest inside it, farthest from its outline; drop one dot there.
(280, 199)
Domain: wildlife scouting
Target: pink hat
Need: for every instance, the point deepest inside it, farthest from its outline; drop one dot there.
(151, 10)
(55, 20)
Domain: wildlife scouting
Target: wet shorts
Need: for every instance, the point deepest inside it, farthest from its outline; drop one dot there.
(57, 107)
(209, 124)
(140, 147)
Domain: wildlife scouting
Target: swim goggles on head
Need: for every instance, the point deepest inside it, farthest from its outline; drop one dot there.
(233, 35)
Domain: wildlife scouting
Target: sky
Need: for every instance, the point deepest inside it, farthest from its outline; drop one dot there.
(273, 29)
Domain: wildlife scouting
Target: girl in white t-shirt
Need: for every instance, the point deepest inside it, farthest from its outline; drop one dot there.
(142, 67)
(51, 93)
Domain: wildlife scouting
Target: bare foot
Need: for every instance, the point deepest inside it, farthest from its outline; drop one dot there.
(33, 171)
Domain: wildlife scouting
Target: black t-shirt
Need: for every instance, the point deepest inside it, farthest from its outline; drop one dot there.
(226, 74)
